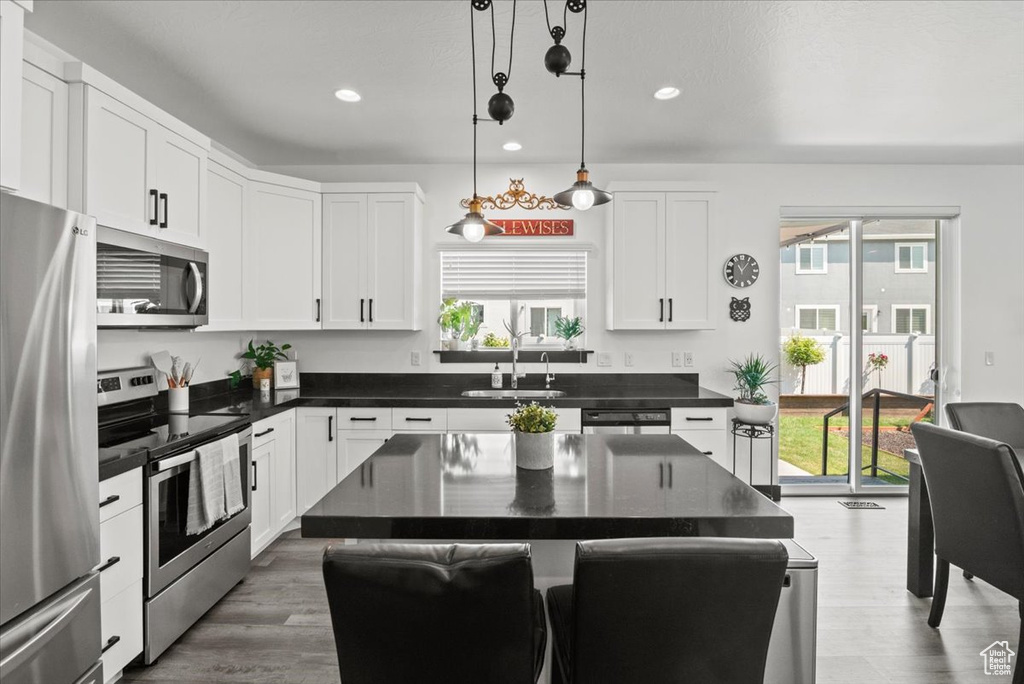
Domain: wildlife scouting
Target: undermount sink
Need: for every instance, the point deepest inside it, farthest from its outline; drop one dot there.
(513, 394)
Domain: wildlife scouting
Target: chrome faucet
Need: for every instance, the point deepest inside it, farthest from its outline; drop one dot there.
(515, 363)
(548, 376)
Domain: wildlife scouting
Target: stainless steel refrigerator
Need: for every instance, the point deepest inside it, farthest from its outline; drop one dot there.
(49, 500)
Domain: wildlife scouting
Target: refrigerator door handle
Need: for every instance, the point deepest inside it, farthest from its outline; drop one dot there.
(21, 653)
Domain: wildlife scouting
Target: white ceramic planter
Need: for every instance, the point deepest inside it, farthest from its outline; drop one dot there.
(756, 414)
(535, 451)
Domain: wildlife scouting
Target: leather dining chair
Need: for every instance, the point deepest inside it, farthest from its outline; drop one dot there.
(1001, 421)
(697, 609)
(976, 488)
(435, 613)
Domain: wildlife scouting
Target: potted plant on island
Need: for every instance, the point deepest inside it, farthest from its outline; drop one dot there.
(752, 376)
(532, 427)
(263, 358)
(568, 329)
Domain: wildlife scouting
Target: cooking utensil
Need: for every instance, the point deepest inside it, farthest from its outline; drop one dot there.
(191, 372)
(162, 362)
(176, 370)
(185, 373)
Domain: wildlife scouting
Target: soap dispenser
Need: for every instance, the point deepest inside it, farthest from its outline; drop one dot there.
(496, 378)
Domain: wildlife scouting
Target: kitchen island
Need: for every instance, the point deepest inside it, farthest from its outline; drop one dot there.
(466, 486)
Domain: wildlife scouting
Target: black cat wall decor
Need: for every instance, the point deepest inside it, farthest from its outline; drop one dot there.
(739, 309)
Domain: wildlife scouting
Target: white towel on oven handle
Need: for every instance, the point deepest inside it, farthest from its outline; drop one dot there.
(206, 488)
(233, 501)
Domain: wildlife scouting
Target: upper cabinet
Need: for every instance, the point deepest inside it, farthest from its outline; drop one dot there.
(283, 256)
(133, 173)
(659, 255)
(44, 137)
(226, 193)
(371, 253)
(12, 37)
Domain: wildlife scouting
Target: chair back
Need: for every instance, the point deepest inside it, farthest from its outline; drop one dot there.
(696, 609)
(976, 489)
(1003, 422)
(433, 612)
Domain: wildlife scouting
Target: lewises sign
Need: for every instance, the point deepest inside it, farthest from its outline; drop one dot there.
(536, 227)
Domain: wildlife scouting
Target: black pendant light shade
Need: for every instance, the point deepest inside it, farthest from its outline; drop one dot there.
(473, 226)
(582, 194)
(501, 107)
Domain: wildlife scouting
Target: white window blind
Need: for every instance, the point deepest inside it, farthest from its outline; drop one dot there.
(507, 274)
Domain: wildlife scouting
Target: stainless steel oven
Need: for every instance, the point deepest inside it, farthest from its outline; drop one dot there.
(143, 282)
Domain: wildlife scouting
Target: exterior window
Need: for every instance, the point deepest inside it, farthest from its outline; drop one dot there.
(533, 287)
(811, 258)
(817, 317)
(911, 257)
(869, 319)
(911, 319)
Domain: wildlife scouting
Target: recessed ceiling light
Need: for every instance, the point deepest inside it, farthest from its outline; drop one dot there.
(346, 95)
(511, 147)
(666, 93)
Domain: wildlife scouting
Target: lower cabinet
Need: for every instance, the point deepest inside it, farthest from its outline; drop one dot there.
(704, 429)
(494, 420)
(121, 554)
(355, 446)
(316, 451)
(273, 478)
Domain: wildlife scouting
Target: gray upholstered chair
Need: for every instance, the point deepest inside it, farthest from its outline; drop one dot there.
(697, 609)
(976, 488)
(1003, 422)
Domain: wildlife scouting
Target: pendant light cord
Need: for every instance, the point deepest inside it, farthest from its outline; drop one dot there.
(565, 15)
(472, 43)
(511, 43)
(583, 92)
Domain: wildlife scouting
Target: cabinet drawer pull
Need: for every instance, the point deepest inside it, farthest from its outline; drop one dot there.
(669, 309)
(661, 476)
(156, 207)
(163, 198)
(371, 309)
(114, 560)
(254, 476)
(661, 310)
(362, 309)
(265, 432)
(709, 453)
(110, 644)
(330, 428)
(366, 420)
(317, 309)
(670, 476)
(110, 499)
(704, 420)
(418, 420)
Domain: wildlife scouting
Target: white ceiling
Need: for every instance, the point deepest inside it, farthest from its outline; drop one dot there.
(804, 81)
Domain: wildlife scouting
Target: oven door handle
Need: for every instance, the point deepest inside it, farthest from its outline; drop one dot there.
(173, 462)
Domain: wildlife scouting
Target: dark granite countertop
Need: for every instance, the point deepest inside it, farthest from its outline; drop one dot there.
(113, 462)
(467, 486)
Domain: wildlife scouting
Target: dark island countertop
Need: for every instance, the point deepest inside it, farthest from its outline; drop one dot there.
(466, 486)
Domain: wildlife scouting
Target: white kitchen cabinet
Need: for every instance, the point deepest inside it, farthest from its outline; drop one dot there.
(372, 247)
(284, 470)
(121, 630)
(273, 478)
(261, 496)
(283, 242)
(659, 251)
(355, 446)
(12, 41)
(44, 137)
(433, 420)
(705, 429)
(226, 194)
(494, 420)
(316, 455)
(135, 174)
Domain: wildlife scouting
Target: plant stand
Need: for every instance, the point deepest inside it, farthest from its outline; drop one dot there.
(750, 432)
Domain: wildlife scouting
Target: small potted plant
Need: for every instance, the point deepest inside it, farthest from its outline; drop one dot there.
(493, 341)
(263, 358)
(568, 329)
(454, 318)
(532, 426)
(752, 375)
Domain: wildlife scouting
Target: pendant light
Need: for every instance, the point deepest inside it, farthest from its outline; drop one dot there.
(473, 226)
(582, 195)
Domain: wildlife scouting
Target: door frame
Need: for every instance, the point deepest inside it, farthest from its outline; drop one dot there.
(947, 311)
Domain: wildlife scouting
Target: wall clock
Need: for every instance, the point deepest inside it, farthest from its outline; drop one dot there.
(741, 270)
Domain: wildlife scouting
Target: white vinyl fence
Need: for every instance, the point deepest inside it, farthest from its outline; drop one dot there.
(911, 358)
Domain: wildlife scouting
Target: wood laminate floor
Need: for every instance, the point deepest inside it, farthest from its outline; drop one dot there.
(275, 626)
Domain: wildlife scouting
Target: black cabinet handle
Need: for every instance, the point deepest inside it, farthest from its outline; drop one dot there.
(371, 473)
(368, 420)
(330, 430)
(362, 305)
(418, 420)
(254, 469)
(708, 453)
(114, 560)
(661, 476)
(163, 198)
(110, 643)
(156, 208)
(110, 499)
(670, 476)
(265, 432)
(317, 309)
(669, 309)
(661, 310)
(702, 420)
(371, 309)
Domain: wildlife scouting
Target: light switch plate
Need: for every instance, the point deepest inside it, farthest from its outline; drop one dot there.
(688, 359)
(415, 358)
(677, 360)
(629, 359)
(604, 359)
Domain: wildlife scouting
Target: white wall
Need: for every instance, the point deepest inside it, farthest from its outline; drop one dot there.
(991, 198)
(216, 352)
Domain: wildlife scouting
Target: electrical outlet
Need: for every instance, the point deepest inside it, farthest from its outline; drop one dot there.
(677, 360)
(604, 359)
(688, 359)
(415, 358)
(629, 358)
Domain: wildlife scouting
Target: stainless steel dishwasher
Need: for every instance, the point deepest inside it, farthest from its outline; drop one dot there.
(627, 422)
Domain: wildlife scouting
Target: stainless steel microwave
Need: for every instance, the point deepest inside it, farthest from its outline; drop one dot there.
(143, 282)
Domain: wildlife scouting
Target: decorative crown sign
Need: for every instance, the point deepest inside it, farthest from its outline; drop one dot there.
(516, 196)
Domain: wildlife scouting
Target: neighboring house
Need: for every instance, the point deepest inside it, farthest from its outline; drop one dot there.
(899, 282)
(998, 658)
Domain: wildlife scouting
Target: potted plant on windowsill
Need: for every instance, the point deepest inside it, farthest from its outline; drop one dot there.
(752, 375)
(263, 358)
(455, 318)
(568, 329)
(532, 427)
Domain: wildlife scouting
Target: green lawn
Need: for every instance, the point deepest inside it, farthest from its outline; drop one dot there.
(800, 444)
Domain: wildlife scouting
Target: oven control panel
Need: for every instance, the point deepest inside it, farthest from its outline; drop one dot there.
(125, 384)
